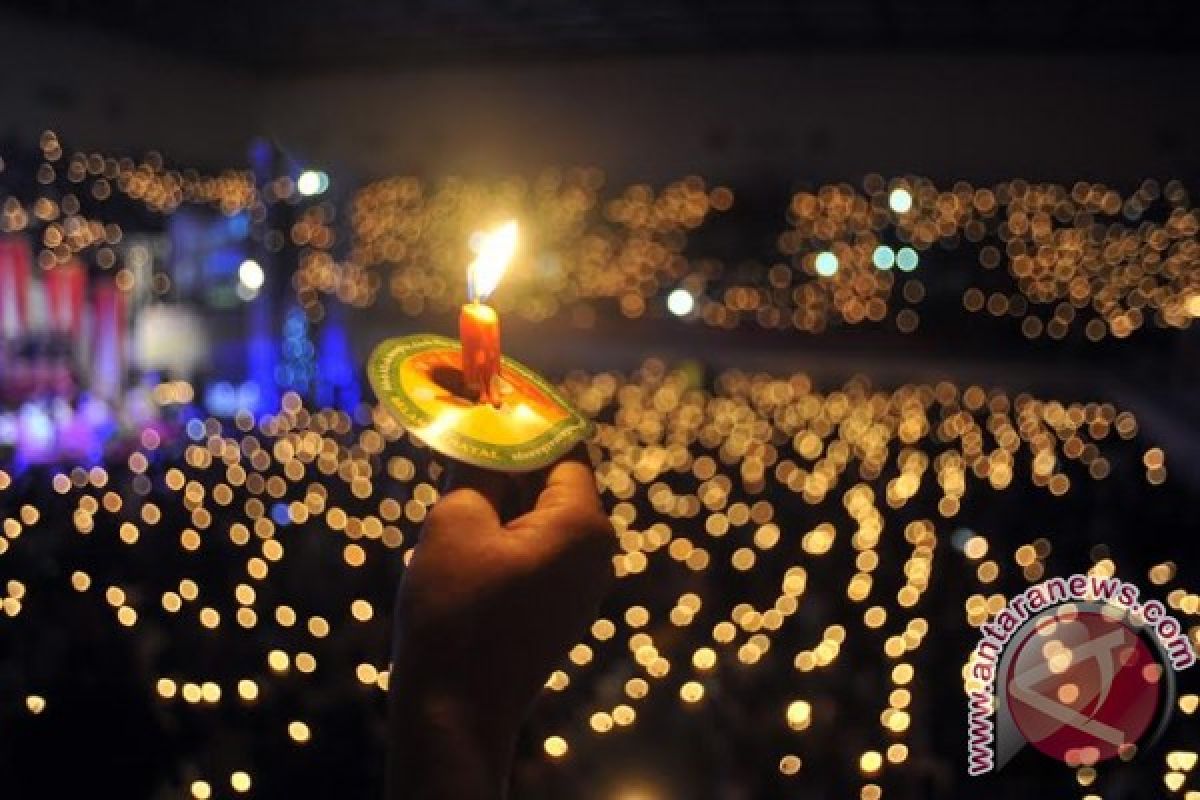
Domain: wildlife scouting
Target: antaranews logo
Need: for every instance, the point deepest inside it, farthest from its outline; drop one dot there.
(1079, 668)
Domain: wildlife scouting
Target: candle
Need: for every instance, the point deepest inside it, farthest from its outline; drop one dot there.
(478, 323)
(479, 330)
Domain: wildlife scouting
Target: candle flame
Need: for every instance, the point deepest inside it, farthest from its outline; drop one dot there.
(495, 251)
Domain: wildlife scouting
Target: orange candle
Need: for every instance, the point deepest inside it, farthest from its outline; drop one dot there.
(479, 330)
(478, 323)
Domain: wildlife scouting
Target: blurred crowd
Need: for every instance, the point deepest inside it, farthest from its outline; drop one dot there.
(802, 571)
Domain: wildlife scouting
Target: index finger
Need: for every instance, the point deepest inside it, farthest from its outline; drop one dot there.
(498, 491)
(571, 481)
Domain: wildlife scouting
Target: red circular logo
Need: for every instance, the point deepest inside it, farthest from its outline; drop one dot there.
(1083, 686)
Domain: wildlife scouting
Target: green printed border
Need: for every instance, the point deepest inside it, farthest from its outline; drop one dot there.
(383, 371)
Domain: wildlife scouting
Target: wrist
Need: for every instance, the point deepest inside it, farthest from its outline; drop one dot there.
(444, 746)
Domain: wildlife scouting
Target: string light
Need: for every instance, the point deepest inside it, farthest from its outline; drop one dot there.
(1056, 258)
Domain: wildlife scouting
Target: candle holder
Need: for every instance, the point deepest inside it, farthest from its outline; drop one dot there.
(525, 424)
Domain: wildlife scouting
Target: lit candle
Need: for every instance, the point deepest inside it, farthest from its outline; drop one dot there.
(478, 324)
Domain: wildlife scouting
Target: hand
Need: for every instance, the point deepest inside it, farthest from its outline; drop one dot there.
(506, 575)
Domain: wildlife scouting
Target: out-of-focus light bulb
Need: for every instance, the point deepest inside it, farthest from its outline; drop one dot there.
(900, 200)
(884, 257)
(906, 259)
(680, 302)
(826, 264)
(251, 275)
(311, 182)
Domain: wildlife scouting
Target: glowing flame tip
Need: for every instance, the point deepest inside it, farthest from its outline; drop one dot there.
(496, 249)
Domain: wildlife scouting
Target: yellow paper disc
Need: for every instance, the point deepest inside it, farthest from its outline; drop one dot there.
(419, 380)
